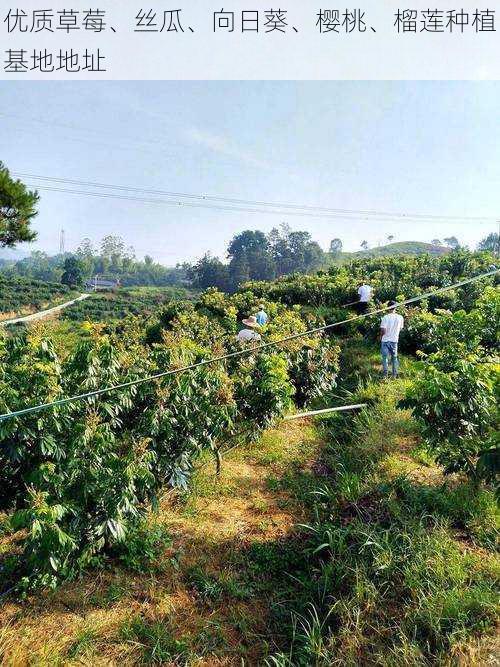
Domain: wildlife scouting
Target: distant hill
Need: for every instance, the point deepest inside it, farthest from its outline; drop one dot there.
(403, 248)
(399, 248)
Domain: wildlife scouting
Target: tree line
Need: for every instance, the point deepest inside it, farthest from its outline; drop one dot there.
(110, 258)
(254, 255)
(251, 255)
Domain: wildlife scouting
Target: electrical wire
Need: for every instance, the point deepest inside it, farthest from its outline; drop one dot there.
(337, 212)
(238, 353)
(216, 207)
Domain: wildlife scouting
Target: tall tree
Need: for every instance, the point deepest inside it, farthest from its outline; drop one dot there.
(295, 251)
(112, 245)
(73, 272)
(17, 210)
(86, 253)
(247, 241)
(252, 248)
(364, 245)
(86, 248)
(40, 266)
(209, 271)
(313, 257)
(239, 270)
(452, 242)
(335, 247)
(490, 242)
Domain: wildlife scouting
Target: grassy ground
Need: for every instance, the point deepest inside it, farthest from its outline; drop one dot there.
(336, 542)
(402, 566)
(203, 596)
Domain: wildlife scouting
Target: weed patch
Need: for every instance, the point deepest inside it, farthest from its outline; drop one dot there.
(385, 579)
(156, 641)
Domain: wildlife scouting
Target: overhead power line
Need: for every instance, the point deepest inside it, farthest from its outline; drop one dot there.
(207, 202)
(238, 353)
(221, 207)
(241, 201)
(184, 204)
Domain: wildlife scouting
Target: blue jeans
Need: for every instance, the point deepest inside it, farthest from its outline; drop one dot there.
(390, 349)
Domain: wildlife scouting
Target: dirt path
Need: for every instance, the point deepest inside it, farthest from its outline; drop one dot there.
(211, 604)
(41, 314)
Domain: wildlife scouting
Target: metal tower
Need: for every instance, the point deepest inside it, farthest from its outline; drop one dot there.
(62, 243)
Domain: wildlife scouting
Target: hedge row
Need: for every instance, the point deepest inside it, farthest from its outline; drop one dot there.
(17, 294)
(78, 478)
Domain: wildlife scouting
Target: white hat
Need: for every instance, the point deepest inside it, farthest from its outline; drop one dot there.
(251, 321)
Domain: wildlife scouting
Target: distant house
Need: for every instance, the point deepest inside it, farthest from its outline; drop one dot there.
(100, 284)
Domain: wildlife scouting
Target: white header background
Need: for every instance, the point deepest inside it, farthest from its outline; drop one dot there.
(306, 54)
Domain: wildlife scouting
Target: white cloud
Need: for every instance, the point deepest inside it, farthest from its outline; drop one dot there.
(223, 146)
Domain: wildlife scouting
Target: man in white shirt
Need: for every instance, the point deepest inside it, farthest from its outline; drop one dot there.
(249, 333)
(365, 294)
(390, 326)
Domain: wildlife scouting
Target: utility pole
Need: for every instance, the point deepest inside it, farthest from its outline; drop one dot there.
(62, 243)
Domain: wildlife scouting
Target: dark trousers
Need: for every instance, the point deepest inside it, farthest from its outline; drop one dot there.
(362, 307)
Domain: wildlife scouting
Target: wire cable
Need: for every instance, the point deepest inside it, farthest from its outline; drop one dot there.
(235, 209)
(238, 353)
(250, 202)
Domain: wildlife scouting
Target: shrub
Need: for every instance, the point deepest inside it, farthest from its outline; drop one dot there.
(488, 308)
(453, 397)
(419, 331)
(263, 390)
(313, 371)
(82, 475)
(17, 294)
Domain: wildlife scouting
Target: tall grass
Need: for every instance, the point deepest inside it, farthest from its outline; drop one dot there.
(401, 569)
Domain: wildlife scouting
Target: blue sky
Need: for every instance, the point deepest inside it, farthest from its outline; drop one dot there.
(418, 147)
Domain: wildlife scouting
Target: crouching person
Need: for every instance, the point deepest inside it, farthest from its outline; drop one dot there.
(249, 332)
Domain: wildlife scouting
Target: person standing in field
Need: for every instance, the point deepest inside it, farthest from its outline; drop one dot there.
(261, 316)
(390, 327)
(365, 294)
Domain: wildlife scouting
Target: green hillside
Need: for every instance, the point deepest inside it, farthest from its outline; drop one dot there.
(403, 248)
(128, 301)
(399, 248)
(20, 296)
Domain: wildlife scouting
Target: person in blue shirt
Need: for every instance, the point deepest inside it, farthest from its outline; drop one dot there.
(261, 316)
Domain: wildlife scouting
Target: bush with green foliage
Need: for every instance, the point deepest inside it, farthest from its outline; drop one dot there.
(454, 396)
(80, 477)
(488, 307)
(263, 390)
(391, 277)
